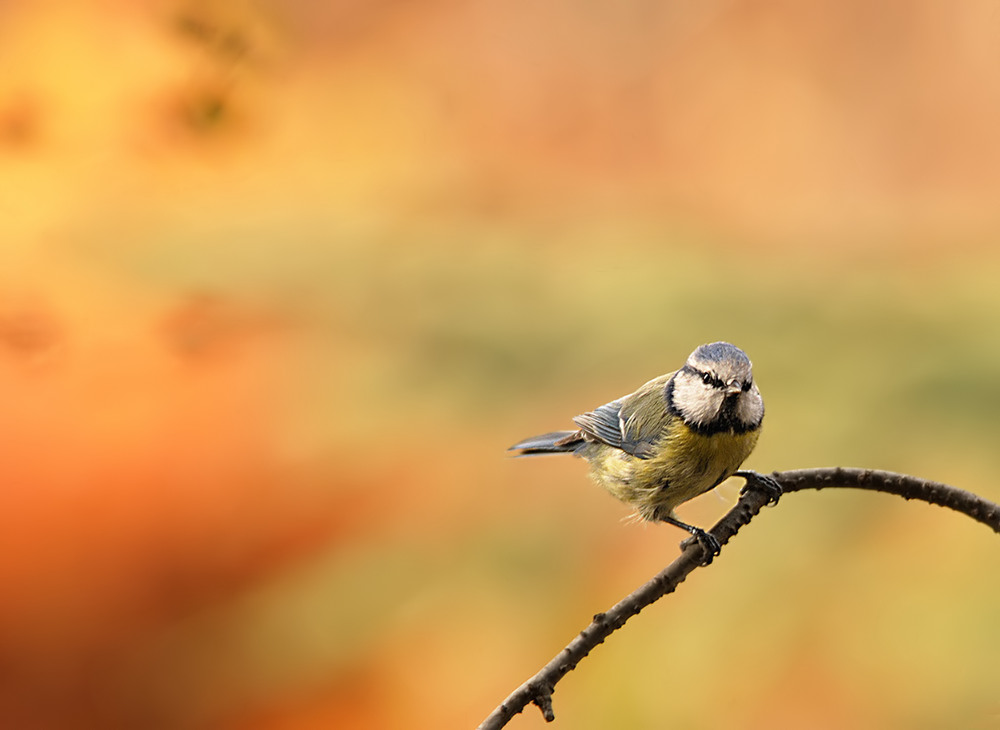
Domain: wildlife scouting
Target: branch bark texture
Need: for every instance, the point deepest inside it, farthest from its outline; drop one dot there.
(538, 690)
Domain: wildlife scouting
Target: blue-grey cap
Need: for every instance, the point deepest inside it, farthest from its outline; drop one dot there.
(728, 362)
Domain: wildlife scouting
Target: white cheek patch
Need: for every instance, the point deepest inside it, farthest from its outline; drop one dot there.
(698, 404)
(750, 409)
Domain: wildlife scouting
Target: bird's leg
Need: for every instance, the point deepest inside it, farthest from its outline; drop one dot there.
(707, 541)
(761, 483)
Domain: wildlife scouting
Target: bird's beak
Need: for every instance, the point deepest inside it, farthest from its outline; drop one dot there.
(733, 387)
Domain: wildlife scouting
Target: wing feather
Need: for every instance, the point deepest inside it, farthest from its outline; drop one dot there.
(603, 424)
(634, 423)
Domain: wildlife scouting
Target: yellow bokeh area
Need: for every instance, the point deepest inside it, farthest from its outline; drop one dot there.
(280, 281)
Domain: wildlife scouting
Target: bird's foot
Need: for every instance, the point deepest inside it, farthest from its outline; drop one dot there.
(755, 481)
(709, 544)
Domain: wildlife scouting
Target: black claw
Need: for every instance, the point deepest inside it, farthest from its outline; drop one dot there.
(708, 543)
(761, 483)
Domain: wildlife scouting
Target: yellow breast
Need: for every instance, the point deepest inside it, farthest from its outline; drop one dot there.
(685, 465)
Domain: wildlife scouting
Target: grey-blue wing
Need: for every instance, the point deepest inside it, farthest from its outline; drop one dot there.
(634, 423)
(603, 424)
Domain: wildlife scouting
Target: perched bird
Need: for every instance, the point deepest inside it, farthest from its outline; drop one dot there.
(676, 437)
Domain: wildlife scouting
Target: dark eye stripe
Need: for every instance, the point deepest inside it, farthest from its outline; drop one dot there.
(709, 379)
(713, 380)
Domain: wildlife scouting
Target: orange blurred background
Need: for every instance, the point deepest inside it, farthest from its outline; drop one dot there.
(280, 281)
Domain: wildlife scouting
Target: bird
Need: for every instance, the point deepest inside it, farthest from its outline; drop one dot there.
(676, 437)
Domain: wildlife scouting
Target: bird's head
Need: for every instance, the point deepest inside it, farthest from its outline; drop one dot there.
(715, 390)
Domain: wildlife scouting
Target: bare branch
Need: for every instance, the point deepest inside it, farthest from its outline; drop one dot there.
(539, 688)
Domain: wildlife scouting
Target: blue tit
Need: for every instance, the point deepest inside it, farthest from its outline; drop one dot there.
(676, 437)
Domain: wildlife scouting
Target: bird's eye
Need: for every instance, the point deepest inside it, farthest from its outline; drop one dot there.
(706, 378)
(747, 385)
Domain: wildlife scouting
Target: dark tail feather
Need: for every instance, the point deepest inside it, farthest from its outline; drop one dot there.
(549, 443)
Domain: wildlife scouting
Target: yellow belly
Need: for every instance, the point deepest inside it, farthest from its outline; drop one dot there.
(686, 464)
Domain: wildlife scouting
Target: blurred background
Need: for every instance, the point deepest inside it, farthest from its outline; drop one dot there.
(280, 281)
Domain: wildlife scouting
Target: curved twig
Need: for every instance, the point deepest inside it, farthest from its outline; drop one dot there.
(538, 690)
